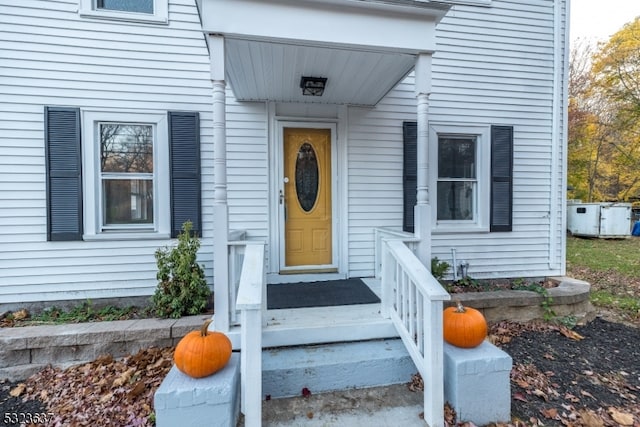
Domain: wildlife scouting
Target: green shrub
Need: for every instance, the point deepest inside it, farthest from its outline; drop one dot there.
(182, 289)
(439, 268)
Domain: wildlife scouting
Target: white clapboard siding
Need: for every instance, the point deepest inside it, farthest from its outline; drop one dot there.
(493, 65)
(49, 55)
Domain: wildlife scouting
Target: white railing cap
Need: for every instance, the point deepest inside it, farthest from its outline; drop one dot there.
(251, 278)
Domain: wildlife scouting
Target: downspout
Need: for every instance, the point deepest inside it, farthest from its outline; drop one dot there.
(558, 112)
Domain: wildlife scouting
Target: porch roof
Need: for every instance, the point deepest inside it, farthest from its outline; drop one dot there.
(362, 47)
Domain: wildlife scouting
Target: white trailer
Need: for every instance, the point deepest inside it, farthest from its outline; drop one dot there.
(604, 220)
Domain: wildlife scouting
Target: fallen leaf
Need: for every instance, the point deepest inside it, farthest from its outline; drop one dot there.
(621, 418)
(586, 393)
(107, 397)
(571, 398)
(137, 390)
(571, 334)
(310, 415)
(590, 418)
(551, 413)
(519, 396)
(20, 314)
(540, 393)
(18, 390)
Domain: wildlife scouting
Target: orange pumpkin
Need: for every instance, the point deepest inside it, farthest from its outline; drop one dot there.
(202, 353)
(464, 327)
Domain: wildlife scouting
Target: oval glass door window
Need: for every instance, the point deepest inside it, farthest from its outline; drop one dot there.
(307, 177)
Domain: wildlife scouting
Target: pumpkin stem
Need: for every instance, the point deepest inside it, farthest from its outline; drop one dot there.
(205, 327)
(460, 307)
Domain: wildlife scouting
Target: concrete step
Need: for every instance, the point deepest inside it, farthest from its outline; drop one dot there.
(340, 366)
(387, 406)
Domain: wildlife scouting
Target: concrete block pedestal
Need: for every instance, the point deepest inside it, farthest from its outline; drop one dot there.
(477, 383)
(211, 401)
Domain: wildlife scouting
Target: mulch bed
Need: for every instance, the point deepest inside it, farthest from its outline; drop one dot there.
(588, 376)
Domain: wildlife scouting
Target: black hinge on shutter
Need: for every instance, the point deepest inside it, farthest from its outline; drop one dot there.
(184, 152)
(410, 174)
(64, 173)
(501, 178)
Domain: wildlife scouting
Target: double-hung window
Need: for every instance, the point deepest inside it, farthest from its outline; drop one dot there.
(126, 184)
(126, 175)
(151, 11)
(460, 172)
(457, 187)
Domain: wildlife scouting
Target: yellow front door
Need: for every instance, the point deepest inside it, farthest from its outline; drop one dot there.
(307, 197)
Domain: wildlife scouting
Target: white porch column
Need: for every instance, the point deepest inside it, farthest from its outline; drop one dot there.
(422, 211)
(220, 210)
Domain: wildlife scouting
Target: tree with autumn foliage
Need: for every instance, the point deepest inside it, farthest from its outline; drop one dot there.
(604, 118)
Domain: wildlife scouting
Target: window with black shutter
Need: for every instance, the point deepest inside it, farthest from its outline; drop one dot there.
(500, 198)
(121, 163)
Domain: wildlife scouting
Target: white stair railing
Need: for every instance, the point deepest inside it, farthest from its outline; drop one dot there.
(413, 299)
(252, 303)
(382, 233)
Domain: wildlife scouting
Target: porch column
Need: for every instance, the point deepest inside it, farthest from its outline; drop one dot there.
(220, 210)
(422, 211)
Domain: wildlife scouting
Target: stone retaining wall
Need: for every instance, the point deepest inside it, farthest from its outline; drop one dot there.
(25, 350)
(570, 298)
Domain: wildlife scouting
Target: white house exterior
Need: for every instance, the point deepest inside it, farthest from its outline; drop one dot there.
(466, 72)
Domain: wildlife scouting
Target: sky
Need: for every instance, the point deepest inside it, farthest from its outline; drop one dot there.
(597, 20)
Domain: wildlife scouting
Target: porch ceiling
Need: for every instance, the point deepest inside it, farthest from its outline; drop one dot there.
(261, 71)
(363, 47)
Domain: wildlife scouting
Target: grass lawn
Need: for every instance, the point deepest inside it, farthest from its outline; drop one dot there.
(613, 269)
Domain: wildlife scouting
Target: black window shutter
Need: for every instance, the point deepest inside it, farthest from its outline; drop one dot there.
(184, 152)
(410, 173)
(501, 178)
(64, 173)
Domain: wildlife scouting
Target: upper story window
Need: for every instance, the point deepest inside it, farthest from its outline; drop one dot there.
(150, 11)
(138, 6)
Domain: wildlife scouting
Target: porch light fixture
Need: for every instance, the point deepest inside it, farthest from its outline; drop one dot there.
(313, 86)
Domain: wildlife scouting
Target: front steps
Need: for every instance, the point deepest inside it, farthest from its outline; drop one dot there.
(328, 367)
(364, 365)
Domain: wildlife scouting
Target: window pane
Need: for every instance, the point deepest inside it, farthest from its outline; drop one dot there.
(126, 148)
(142, 6)
(456, 157)
(455, 200)
(128, 201)
(307, 177)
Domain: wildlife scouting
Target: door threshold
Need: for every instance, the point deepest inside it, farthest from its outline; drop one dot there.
(305, 276)
(310, 271)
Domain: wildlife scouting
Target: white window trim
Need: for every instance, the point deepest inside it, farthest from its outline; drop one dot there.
(160, 14)
(483, 195)
(91, 185)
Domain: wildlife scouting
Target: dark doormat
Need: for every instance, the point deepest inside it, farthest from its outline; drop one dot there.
(319, 294)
